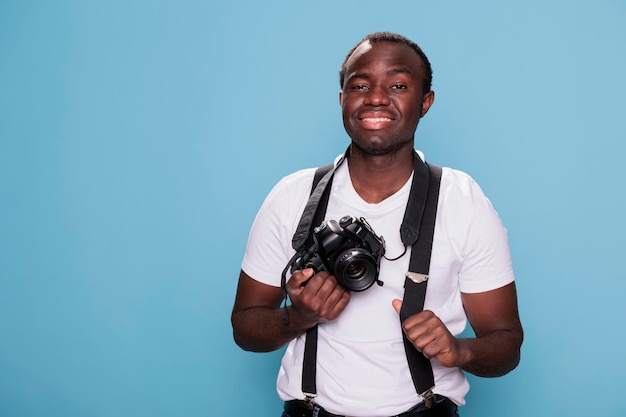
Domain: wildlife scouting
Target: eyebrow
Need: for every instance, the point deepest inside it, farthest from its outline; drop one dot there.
(401, 70)
(393, 71)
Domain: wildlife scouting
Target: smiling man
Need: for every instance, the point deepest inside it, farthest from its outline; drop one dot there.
(360, 345)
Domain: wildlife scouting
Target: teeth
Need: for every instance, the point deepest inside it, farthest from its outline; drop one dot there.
(376, 119)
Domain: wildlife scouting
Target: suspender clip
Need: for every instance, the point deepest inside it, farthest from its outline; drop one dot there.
(416, 278)
(309, 401)
(429, 398)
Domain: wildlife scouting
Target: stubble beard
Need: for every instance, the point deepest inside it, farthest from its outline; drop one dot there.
(389, 147)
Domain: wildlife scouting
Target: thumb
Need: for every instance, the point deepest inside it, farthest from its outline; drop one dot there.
(300, 277)
(397, 304)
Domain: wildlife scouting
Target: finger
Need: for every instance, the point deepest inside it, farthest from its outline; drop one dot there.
(300, 277)
(325, 296)
(330, 290)
(338, 305)
(430, 350)
(320, 284)
(423, 329)
(333, 291)
(438, 351)
(444, 352)
(423, 341)
(397, 305)
(425, 320)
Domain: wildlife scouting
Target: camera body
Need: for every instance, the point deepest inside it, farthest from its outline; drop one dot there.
(348, 249)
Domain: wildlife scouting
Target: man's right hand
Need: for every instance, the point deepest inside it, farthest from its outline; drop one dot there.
(315, 297)
(257, 316)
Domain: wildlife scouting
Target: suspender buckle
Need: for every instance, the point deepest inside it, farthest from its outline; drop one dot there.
(429, 398)
(416, 278)
(309, 401)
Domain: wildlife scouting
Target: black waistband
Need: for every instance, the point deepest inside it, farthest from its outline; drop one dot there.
(443, 407)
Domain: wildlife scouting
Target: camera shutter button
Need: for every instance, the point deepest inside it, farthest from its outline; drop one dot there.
(345, 221)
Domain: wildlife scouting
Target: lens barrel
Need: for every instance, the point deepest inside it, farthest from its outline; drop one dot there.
(356, 269)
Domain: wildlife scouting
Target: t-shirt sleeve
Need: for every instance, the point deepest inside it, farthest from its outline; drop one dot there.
(269, 243)
(486, 256)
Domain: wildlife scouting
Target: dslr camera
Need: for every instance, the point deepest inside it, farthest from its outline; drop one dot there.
(348, 249)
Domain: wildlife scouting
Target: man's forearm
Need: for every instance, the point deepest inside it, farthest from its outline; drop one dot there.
(493, 354)
(263, 329)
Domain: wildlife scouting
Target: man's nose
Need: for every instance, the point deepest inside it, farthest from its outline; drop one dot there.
(377, 97)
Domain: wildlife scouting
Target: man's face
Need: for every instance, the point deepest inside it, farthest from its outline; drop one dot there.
(382, 98)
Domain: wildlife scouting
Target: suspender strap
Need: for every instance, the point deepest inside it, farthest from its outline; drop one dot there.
(309, 363)
(416, 282)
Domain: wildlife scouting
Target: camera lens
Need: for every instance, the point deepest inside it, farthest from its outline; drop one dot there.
(356, 269)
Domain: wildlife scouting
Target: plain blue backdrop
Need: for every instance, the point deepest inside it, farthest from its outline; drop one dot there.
(139, 138)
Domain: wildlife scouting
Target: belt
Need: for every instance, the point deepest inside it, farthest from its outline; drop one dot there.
(443, 407)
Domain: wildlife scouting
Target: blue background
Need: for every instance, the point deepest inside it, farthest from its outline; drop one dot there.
(139, 138)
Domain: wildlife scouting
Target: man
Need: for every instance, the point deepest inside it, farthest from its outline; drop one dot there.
(361, 363)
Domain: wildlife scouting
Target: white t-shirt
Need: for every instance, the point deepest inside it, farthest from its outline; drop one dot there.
(361, 364)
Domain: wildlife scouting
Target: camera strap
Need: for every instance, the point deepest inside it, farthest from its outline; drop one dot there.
(417, 231)
(311, 216)
(309, 362)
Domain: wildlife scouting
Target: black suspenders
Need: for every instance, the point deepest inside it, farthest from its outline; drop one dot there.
(415, 284)
(417, 231)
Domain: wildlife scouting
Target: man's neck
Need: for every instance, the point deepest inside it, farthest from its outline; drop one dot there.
(377, 177)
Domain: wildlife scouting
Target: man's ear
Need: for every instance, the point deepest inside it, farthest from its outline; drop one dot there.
(340, 96)
(427, 101)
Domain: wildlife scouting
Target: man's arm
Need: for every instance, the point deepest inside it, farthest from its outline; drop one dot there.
(257, 316)
(495, 319)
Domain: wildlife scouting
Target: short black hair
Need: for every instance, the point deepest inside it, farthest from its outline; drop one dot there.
(392, 37)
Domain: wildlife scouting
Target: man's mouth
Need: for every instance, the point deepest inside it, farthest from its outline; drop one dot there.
(376, 119)
(375, 123)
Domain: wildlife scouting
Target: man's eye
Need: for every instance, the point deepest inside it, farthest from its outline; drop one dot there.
(359, 87)
(399, 87)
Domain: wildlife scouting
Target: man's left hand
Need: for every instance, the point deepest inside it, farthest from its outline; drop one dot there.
(431, 337)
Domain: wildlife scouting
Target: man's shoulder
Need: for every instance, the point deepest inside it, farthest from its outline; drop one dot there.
(459, 187)
(292, 188)
(297, 178)
(302, 176)
(451, 177)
